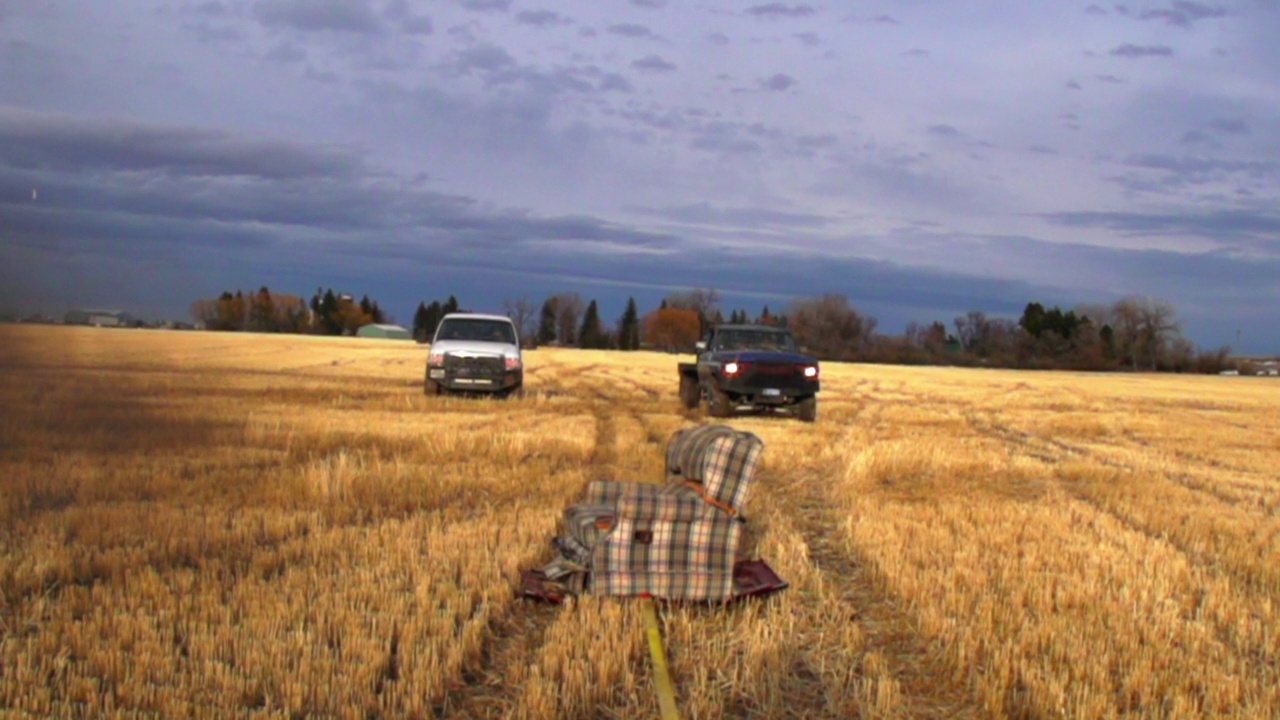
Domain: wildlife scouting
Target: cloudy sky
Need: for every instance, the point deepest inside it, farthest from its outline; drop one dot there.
(922, 158)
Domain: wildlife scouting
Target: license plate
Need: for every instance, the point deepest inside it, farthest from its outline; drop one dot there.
(436, 374)
(771, 392)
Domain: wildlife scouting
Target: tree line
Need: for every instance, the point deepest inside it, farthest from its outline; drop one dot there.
(327, 313)
(1134, 333)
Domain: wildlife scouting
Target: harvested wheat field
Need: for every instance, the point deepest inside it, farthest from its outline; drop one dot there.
(218, 525)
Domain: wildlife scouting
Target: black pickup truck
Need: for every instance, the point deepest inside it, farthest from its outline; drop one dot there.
(750, 365)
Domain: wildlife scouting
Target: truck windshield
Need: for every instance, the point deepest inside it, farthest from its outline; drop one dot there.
(494, 331)
(754, 340)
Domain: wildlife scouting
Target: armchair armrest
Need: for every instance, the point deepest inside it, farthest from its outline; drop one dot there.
(662, 503)
(607, 492)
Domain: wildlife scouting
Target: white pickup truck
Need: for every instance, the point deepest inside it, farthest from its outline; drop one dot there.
(474, 353)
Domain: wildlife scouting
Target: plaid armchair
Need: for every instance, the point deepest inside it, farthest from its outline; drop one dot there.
(676, 540)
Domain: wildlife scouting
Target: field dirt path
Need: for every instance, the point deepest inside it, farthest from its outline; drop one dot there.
(803, 495)
(887, 628)
(517, 641)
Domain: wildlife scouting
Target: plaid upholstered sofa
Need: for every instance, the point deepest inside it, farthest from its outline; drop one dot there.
(676, 540)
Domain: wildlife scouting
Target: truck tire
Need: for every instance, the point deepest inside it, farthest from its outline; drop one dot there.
(807, 409)
(689, 393)
(718, 403)
(430, 387)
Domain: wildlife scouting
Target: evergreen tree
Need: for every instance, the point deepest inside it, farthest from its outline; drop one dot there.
(420, 320)
(330, 322)
(451, 305)
(262, 311)
(1033, 319)
(592, 335)
(434, 314)
(547, 322)
(629, 327)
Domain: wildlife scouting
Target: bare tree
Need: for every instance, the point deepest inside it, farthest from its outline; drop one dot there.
(971, 331)
(524, 314)
(569, 308)
(829, 327)
(1145, 330)
(1158, 329)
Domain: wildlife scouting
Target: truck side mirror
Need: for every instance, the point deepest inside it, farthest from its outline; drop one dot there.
(700, 345)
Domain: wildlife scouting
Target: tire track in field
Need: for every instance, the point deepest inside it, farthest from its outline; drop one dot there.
(1052, 451)
(802, 494)
(518, 641)
(1253, 581)
(887, 629)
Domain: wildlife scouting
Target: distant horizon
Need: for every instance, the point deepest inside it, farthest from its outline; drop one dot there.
(609, 317)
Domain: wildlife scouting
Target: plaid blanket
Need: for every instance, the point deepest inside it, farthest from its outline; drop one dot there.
(664, 539)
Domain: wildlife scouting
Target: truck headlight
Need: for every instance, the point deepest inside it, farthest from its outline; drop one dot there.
(811, 371)
(513, 363)
(731, 368)
(435, 359)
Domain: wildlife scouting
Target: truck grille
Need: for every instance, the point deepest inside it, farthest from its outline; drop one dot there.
(473, 367)
(774, 375)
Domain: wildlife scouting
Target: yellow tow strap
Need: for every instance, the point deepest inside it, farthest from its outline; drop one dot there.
(661, 678)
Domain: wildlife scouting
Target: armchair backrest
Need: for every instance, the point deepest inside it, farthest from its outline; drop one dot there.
(722, 459)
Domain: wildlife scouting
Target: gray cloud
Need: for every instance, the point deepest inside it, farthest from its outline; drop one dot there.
(817, 142)
(650, 4)
(718, 38)
(484, 58)
(214, 8)
(735, 218)
(1182, 13)
(486, 5)
(724, 137)
(208, 33)
(1213, 225)
(916, 52)
(778, 82)
(1202, 165)
(1196, 137)
(1095, 10)
(353, 16)
(946, 131)
(1110, 79)
(541, 18)
(62, 143)
(780, 10)
(285, 53)
(631, 30)
(809, 39)
(410, 23)
(1129, 50)
(653, 64)
(1230, 126)
(417, 25)
(1073, 85)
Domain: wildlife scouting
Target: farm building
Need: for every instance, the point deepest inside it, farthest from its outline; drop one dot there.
(388, 332)
(99, 318)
